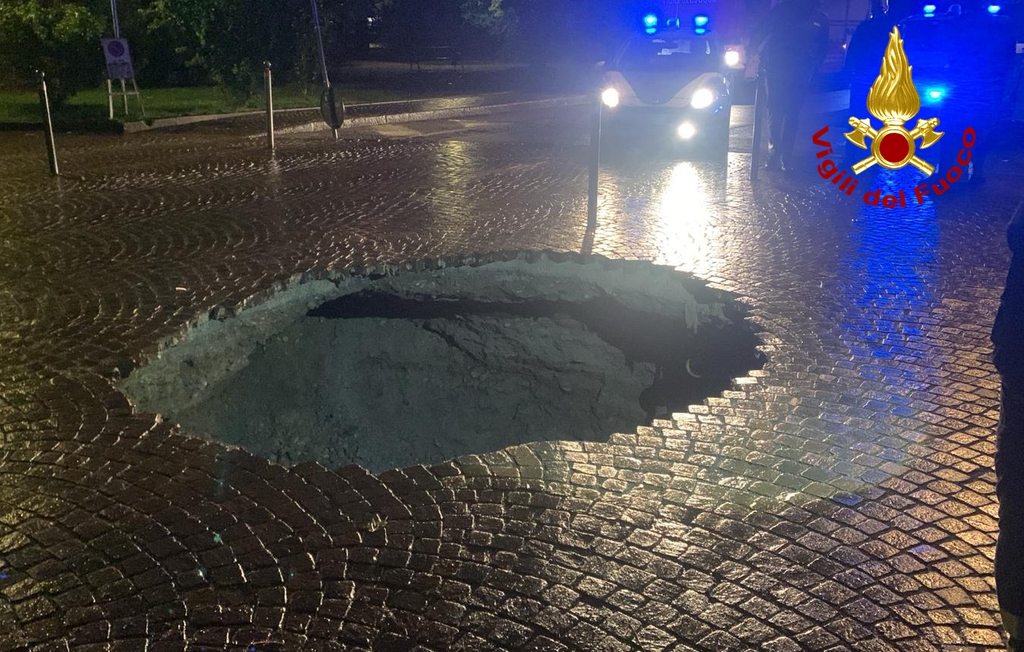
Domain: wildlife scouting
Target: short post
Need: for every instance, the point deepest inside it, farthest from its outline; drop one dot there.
(51, 147)
(269, 86)
(595, 166)
(334, 111)
(760, 97)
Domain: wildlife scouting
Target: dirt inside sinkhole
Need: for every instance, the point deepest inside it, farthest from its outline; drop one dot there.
(422, 367)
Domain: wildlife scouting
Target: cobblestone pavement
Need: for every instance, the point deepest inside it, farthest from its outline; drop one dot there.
(839, 499)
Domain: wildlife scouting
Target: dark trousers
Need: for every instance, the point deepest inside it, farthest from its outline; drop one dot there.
(858, 109)
(786, 90)
(1010, 489)
(984, 119)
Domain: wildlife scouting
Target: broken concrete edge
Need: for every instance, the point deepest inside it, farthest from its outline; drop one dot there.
(700, 289)
(245, 326)
(435, 114)
(266, 297)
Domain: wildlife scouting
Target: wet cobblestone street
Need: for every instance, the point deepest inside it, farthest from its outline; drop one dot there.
(842, 498)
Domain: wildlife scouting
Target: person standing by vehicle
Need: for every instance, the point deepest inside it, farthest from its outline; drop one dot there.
(1008, 341)
(980, 70)
(864, 57)
(792, 41)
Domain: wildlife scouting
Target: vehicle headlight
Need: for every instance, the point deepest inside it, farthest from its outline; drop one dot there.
(610, 97)
(732, 58)
(686, 130)
(702, 99)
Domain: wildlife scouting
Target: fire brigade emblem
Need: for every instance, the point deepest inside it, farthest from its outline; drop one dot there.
(893, 99)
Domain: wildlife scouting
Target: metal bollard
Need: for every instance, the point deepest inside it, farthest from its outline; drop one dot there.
(595, 166)
(760, 97)
(269, 86)
(51, 147)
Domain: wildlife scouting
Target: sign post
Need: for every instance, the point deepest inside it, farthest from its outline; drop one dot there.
(51, 146)
(110, 93)
(119, 59)
(119, 65)
(328, 104)
(269, 85)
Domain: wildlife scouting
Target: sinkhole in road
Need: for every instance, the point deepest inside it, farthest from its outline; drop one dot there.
(394, 368)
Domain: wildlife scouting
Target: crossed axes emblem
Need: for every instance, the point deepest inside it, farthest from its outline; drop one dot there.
(899, 139)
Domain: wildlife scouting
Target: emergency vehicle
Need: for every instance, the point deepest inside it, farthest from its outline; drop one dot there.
(677, 77)
(936, 40)
(965, 68)
(670, 83)
(731, 22)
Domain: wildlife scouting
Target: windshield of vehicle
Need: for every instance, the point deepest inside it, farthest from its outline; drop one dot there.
(668, 53)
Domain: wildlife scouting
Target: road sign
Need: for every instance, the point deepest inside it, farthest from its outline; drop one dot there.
(119, 58)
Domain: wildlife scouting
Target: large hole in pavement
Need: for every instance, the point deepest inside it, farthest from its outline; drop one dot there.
(392, 370)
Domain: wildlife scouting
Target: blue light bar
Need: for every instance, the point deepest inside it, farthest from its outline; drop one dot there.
(700, 31)
(929, 9)
(700, 20)
(934, 94)
(994, 9)
(650, 20)
(651, 30)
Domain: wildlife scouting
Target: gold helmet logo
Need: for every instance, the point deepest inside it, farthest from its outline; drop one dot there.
(893, 99)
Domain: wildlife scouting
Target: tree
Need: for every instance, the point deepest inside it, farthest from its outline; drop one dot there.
(60, 38)
(63, 39)
(414, 23)
(230, 39)
(489, 14)
(348, 27)
(541, 31)
(172, 50)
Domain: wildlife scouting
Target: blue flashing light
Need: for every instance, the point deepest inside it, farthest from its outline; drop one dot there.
(934, 94)
(700, 20)
(994, 9)
(700, 31)
(929, 10)
(651, 30)
(650, 20)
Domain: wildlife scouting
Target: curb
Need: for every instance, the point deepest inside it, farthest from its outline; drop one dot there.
(307, 127)
(86, 127)
(434, 114)
(161, 123)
